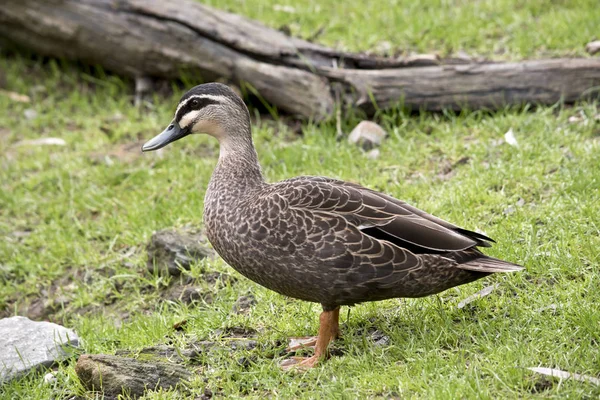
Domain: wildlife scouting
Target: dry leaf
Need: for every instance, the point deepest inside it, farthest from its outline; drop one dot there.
(284, 8)
(373, 154)
(565, 375)
(552, 307)
(427, 58)
(49, 141)
(520, 202)
(21, 98)
(482, 293)
(297, 343)
(573, 119)
(582, 118)
(509, 137)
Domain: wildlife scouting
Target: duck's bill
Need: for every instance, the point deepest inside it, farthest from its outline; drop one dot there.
(172, 133)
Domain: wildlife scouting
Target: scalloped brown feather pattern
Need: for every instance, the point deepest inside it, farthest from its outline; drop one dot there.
(308, 238)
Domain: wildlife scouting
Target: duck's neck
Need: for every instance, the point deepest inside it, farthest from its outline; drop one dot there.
(238, 168)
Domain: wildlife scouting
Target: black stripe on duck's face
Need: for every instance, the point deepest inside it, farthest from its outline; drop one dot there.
(188, 110)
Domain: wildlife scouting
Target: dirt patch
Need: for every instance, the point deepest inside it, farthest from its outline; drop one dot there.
(244, 304)
(187, 294)
(171, 251)
(216, 278)
(447, 169)
(4, 133)
(236, 332)
(56, 300)
(541, 385)
(125, 153)
(49, 302)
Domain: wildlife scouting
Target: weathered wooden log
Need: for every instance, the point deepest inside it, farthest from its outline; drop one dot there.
(475, 86)
(155, 38)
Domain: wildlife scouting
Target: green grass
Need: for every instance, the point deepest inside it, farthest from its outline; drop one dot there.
(74, 226)
(498, 29)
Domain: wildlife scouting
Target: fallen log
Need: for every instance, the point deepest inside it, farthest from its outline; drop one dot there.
(155, 38)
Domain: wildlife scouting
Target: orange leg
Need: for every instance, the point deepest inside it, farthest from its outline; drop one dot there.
(328, 330)
(298, 343)
(336, 323)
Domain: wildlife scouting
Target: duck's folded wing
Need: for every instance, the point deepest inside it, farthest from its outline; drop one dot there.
(379, 215)
(482, 240)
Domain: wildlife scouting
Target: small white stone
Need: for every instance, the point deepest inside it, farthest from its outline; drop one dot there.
(30, 113)
(50, 378)
(367, 134)
(509, 210)
(593, 47)
(384, 47)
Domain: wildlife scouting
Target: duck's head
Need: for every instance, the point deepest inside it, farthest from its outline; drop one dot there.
(211, 108)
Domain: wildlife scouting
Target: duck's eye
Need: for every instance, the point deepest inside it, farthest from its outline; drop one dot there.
(195, 103)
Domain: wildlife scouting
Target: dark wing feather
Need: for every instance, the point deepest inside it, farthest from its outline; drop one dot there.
(483, 263)
(482, 240)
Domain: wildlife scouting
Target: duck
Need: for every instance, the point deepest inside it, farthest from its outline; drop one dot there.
(314, 238)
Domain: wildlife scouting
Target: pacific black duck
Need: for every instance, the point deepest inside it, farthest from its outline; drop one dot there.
(314, 238)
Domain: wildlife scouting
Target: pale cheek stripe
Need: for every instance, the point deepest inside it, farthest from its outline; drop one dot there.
(188, 118)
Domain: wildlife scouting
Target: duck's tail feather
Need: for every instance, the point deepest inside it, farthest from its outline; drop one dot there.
(490, 264)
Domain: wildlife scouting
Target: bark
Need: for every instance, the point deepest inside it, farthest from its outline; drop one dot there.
(163, 39)
(115, 376)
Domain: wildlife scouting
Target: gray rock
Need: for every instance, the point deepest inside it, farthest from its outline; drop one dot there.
(379, 338)
(367, 134)
(509, 210)
(116, 376)
(593, 47)
(169, 251)
(27, 345)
